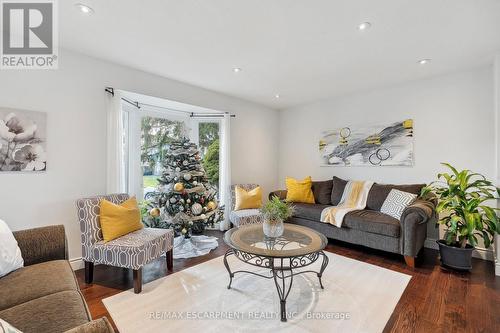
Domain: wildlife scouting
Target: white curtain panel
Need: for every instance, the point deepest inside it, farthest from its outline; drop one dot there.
(225, 179)
(135, 184)
(115, 173)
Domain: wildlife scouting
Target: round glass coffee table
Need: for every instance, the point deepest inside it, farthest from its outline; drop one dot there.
(284, 256)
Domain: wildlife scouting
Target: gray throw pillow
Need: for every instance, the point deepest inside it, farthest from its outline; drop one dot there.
(337, 190)
(322, 191)
(379, 192)
(396, 202)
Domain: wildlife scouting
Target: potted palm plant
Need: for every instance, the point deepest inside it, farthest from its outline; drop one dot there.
(464, 210)
(275, 213)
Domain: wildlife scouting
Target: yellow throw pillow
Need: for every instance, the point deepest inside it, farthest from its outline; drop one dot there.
(248, 199)
(299, 190)
(119, 220)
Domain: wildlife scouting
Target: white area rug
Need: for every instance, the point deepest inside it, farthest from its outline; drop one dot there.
(358, 297)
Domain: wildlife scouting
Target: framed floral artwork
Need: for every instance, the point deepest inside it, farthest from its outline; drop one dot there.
(22, 140)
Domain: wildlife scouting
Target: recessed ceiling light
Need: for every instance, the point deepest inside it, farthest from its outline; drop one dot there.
(364, 26)
(84, 8)
(424, 61)
(277, 96)
(237, 69)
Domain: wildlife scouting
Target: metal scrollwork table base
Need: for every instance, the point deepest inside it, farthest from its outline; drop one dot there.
(285, 256)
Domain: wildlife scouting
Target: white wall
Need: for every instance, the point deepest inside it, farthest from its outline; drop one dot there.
(453, 120)
(73, 97)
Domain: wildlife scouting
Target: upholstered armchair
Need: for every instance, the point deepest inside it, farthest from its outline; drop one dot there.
(245, 216)
(133, 250)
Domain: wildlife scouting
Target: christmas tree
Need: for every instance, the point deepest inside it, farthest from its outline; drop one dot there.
(185, 201)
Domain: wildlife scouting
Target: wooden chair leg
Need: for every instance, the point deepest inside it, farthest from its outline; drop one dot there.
(137, 280)
(170, 259)
(410, 261)
(89, 272)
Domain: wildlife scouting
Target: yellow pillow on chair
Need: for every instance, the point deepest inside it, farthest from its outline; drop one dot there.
(119, 220)
(248, 199)
(299, 190)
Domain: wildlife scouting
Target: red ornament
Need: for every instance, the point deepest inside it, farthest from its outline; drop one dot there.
(202, 200)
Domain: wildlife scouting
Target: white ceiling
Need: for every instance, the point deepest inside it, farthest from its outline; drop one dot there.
(304, 50)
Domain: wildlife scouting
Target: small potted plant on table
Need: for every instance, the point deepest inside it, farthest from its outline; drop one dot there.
(275, 212)
(464, 211)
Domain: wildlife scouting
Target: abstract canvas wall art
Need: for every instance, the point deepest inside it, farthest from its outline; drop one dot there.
(368, 146)
(22, 140)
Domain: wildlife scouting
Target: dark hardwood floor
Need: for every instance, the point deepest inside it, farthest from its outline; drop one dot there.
(436, 299)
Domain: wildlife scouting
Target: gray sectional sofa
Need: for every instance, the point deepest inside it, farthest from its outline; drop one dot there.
(369, 227)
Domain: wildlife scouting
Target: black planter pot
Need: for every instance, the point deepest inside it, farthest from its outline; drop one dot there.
(455, 257)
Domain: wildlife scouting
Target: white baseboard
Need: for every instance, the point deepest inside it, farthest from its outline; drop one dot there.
(76, 263)
(430, 243)
(479, 252)
(482, 253)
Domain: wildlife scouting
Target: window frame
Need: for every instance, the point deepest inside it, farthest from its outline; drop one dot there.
(134, 182)
(133, 176)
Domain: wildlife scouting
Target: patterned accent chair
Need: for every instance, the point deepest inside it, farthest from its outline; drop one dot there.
(245, 216)
(132, 251)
